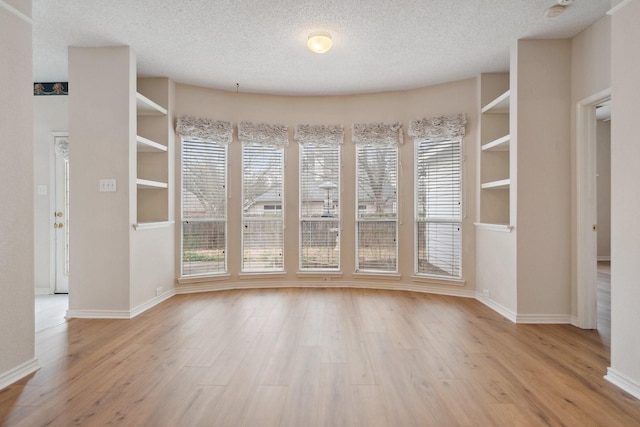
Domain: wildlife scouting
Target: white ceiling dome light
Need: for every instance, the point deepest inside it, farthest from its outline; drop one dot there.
(557, 9)
(319, 41)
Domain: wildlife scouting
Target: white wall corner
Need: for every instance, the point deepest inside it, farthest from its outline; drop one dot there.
(626, 384)
(19, 372)
(499, 308)
(152, 303)
(43, 291)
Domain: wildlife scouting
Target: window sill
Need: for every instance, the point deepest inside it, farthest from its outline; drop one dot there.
(377, 276)
(250, 276)
(433, 280)
(303, 274)
(189, 280)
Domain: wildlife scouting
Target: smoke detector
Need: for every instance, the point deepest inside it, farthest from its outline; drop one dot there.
(557, 9)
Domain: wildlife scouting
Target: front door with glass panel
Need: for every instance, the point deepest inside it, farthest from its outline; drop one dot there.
(60, 218)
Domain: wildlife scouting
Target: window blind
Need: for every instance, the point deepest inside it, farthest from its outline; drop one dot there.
(262, 211)
(438, 204)
(319, 207)
(204, 209)
(377, 201)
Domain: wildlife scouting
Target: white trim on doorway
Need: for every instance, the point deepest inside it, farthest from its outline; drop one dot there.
(16, 12)
(586, 210)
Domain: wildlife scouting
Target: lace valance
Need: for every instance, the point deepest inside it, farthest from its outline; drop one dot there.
(276, 136)
(377, 133)
(319, 134)
(438, 128)
(201, 129)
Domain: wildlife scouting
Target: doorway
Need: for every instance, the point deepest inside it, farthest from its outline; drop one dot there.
(587, 208)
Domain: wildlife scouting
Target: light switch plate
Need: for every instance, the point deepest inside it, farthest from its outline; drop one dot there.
(107, 185)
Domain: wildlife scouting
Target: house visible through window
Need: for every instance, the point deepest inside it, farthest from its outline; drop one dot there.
(204, 209)
(377, 201)
(319, 207)
(262, 215)
(438, 203)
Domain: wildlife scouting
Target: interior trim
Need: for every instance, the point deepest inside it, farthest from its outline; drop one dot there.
(16, 12)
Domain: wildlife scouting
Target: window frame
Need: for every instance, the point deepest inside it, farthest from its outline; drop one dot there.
(359, 219)
(302, 219)
(224, 220)
(257, 219)
(450, 220)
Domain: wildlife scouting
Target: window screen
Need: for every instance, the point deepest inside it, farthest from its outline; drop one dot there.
(204, 209)
(319, 207)
(262, 210)
(438, 205)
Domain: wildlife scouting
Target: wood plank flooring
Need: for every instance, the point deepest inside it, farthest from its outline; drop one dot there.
(50, 310)
(317, 357)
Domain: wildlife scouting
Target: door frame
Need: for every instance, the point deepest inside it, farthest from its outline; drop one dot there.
(587, 213)
(52, 209)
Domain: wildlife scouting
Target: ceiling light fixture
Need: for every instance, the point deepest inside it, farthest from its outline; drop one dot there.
(557, 9)
(319, 41)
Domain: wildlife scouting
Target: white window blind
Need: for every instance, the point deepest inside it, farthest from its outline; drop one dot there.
(204, 208)
(438, 203)
(262, 210)
(377, 213)
(319, 207)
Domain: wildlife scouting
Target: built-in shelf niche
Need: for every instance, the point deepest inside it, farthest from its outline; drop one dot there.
(495, 146)
(152, 159)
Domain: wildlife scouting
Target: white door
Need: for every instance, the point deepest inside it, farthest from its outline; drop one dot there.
(60, 215)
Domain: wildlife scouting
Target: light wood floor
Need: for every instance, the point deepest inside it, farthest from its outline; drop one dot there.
(307, 357)
(604, 301)
(50, 310)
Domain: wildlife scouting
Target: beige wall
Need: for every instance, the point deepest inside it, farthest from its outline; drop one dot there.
(603, 157)
(543, 73)
(100, 129)
(16, 172)
(590, 75)
(625, 199)
(50, 114)
(383, 107)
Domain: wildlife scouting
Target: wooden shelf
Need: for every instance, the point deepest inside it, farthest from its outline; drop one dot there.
(152, 225)
(145, 184)
(500, 105)
(149, 146)
(146, 107)
(502, 184)
(503, 228)
(500, 144)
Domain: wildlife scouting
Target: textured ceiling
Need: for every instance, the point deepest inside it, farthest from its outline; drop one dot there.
(379, 45)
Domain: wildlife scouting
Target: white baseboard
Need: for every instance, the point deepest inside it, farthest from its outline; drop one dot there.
(98, 314)
(120, 314)
(18, 373)
(392, 286)
(626, 384)
(551, 319)
(499, 308)
(604, 258)
(43, 291)
(152, 303)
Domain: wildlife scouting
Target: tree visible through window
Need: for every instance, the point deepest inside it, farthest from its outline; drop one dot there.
(262, 213)
(319, 207)
(438, 205)
(377, 201)
(204, 208)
